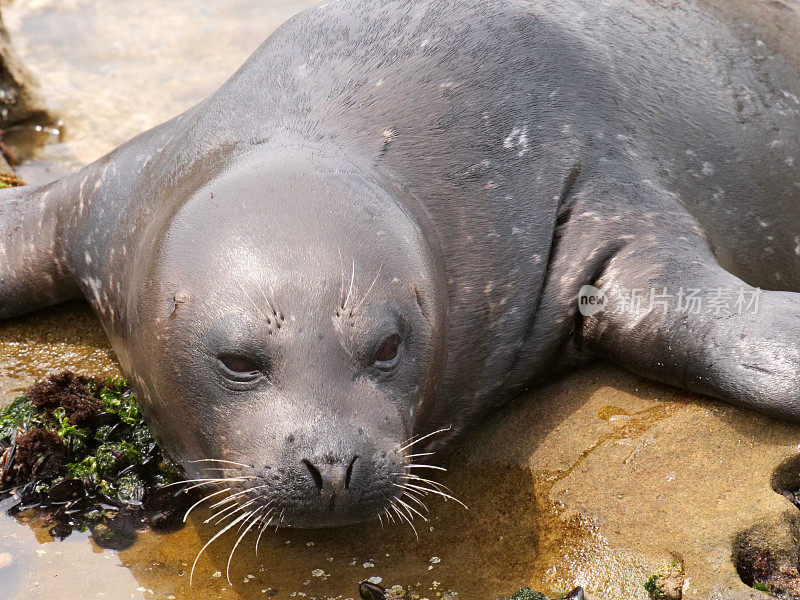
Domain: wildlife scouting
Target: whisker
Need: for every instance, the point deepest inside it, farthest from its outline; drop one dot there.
(203, 499)
(410, 494)
(436, 484)
(241, 493)
(425, 437)
(232, 508)
(421, 466)
(412, 509)
(269, 304)
(222, 460)
(205, 481)
(374, 281)
(240, 507)
(255, 306)
(438, 493)
(405, 518)
(221, 481)
(264, 527)
(228, 512)
(280, 521)
(341, 285)
(253, 520)
(352, 279)
(209, 542)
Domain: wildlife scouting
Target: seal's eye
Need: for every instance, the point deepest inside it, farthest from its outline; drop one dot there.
(386, 355)
(239, 367)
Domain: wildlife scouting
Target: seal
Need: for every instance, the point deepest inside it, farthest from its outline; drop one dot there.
(377, 231)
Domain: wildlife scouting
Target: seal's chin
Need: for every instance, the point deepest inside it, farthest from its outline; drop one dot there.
(322, 519)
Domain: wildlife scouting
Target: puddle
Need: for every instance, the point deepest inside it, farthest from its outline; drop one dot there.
(481, 554)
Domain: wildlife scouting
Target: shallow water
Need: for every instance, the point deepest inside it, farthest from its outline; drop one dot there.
(111, 70)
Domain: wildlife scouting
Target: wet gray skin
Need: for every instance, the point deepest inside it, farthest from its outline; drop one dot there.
(453, 178)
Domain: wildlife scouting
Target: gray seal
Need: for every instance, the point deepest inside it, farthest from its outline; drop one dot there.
(377, 231)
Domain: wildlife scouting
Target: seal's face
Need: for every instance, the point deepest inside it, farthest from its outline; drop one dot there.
(297, 344)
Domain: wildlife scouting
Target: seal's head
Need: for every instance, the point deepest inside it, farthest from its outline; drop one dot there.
(298, 338)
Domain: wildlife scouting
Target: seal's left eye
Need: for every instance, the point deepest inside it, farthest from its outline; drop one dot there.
(386, 355)
(239, 367)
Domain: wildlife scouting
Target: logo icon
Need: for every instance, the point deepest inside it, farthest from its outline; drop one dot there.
(591, 300)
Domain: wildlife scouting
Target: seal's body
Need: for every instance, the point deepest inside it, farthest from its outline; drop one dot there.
(380, 225)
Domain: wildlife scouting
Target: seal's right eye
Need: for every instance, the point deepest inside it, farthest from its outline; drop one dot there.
(239, 367)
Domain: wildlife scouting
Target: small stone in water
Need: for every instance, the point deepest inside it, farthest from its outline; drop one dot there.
(435, 559)
(318, 573)
(375, 579)
(217, 574)
(368, 565)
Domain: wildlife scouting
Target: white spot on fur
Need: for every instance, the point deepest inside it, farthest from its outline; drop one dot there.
(791, 97)
(517, 139)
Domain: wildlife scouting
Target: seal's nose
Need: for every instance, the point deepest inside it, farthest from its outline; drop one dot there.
(331, 478)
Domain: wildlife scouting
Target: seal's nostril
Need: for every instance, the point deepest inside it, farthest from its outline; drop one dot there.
(315, 474)
(350, 473)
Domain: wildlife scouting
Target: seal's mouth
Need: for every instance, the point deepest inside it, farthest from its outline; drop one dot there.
(318, 491)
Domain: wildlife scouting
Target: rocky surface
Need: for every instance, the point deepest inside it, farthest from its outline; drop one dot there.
(640, 480)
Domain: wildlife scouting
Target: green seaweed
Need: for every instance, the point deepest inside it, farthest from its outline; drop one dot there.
(653, 585)
(19, 412)
(82, 444)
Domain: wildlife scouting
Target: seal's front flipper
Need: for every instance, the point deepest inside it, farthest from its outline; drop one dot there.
(664, 308)
(33, 265)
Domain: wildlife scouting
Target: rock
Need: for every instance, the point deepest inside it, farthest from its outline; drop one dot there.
(637, 480)
(19, 92)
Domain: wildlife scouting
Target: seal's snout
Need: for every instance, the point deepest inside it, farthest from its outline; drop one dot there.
(331, 478)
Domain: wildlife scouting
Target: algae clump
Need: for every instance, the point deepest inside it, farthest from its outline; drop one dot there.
(78, 451)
